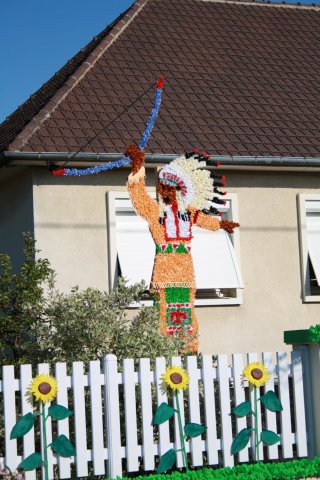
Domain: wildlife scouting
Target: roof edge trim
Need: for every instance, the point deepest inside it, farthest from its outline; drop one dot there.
(83, 158)
(265, 4)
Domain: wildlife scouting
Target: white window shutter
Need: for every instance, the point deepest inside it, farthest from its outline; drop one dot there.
(136, 249)
(214, 260)
(213, 254)
(313, 233)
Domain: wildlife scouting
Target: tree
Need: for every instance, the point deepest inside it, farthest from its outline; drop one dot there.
(22, 302)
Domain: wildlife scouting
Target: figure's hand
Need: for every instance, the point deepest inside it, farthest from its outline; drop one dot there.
(228, 225)
(137, 158)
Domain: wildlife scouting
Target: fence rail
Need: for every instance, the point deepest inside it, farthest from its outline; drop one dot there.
(114, 404)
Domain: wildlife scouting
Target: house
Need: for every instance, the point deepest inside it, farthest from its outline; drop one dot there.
(243, 84)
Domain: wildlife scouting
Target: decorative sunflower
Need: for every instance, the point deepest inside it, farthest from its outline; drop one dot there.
(176, 378)
(256, 373)
(44, 388)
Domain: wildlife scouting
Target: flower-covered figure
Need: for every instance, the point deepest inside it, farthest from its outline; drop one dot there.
(186, 197)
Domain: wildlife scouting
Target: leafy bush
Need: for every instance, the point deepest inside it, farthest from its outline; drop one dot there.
(40, 324)
(85, 325)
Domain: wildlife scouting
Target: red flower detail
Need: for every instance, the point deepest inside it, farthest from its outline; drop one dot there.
(160, 82)
(60, 171)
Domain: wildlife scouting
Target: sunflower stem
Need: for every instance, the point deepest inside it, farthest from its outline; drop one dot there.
(183, 448)
(45, 447)
(256, 423)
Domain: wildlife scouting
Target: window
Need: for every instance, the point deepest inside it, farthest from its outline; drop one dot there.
(309, 232)
(131, 252)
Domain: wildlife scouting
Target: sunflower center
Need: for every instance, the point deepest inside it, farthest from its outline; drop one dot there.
(44, 388)
(256, 373)
(176, 378)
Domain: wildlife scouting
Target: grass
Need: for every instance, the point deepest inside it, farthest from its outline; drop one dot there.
(295, 469)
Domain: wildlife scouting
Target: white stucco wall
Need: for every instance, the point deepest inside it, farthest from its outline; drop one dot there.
(71, 230)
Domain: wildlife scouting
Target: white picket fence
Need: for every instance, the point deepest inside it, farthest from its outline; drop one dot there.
(103, 438)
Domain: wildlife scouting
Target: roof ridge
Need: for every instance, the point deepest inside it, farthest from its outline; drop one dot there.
(88, 57)
(268, 3)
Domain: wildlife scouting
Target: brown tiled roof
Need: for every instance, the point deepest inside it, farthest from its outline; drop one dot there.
(242, 79)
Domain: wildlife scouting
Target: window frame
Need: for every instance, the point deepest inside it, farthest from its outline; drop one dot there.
(232, 213)
(302, 198)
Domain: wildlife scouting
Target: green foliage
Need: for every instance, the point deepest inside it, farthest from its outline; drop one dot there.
(59, 412)
(269, 438)
(240, 441)
(242, 409)
(22, 426)
(40, 324)
(167, 461)
(259, 471)
(63, 446)
(85, 325)
(22, 303)
(194, 429)
(163, 413)
(31, 462)
(315, 333)
(271, 401)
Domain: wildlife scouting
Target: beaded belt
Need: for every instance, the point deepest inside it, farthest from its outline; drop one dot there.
(173, 248)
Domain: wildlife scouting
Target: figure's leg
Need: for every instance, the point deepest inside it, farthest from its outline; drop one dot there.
(194, 324)
(176, 310)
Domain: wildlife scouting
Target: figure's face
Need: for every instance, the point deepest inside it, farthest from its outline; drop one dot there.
(167, 193)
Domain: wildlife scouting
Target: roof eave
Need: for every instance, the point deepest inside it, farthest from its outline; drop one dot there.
(84, 159)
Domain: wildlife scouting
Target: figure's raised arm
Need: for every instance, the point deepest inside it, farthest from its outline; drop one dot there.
(204, 220)
(145, 206)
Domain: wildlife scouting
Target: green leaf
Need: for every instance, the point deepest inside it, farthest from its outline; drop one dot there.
(31, 462)
(194, 429)
(167, 461)
(58, 412)
(163, 413)
(242, 409)
(270, 438)
(63, 446)
(23, 426)
(271, 401)
(240, 441)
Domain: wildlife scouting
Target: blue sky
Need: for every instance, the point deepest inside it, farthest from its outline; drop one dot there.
(37, 37)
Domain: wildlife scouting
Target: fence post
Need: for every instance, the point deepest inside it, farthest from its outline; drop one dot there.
(310, 354)
(112, 416)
